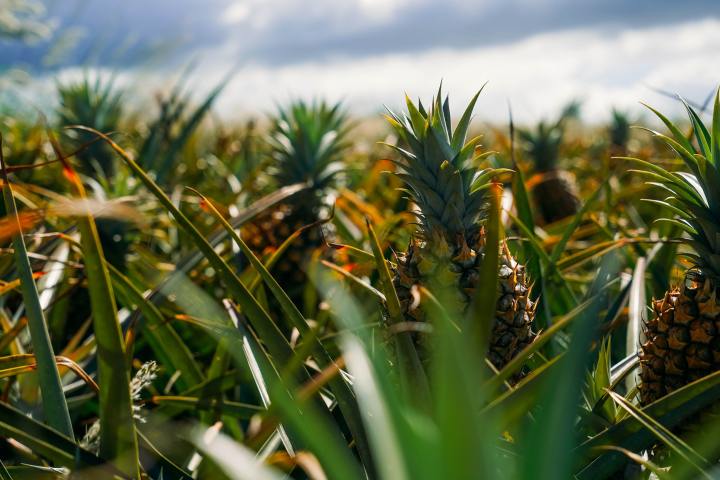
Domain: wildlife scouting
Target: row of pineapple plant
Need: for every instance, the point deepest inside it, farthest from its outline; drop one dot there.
(456, 305)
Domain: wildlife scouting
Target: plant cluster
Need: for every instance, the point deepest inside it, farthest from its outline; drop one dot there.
(291, 298)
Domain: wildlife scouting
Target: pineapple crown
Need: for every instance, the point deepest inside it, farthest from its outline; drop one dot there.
(544, 142)
(441, 171)
(92, 104)
(695, 196)
(619, 128)
(308, 142)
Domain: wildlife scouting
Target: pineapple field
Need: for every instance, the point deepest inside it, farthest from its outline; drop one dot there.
(315, 294)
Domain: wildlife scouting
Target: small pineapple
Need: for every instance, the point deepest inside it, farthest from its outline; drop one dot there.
(555, 194)
(445, 254)
(307, 143)
(683, 338)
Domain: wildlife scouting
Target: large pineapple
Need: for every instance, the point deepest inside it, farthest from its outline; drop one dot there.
(556, 194)
(445, 254)
(307, 143)
(683, 339)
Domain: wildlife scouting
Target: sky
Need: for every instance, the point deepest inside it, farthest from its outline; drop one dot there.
(536, 55)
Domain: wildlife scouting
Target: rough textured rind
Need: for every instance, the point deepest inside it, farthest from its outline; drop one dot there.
(451, 270)
(556, 196)
(683, 342)
(274, 226)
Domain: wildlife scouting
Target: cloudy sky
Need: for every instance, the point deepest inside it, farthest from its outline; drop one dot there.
(537, 54)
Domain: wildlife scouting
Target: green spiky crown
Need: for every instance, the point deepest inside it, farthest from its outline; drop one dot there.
(308, 142)
(619, 128)
(544, 142)
(92, 104)
(441, 172)
(97, 104)
(695, 196)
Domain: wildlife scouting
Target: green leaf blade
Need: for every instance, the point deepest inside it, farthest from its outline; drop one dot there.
(412, 375)
(54, 402)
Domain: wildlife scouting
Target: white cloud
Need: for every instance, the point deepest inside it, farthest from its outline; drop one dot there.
(373, 7)
(237, 12)
(537, 74)
(329, 15)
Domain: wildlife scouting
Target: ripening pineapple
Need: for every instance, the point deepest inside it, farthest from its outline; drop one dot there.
(683, 338)
(307, 143)
(556, 194)
(444, 255)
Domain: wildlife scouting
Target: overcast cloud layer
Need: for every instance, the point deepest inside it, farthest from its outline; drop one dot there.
(537, 54)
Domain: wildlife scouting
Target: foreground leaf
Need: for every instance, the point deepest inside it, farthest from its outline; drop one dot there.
(268, 332)
(663, 434)
(161, 336)
(118, 441)
(630, 433)
(54, 403)
(343, 394)
(412, 374)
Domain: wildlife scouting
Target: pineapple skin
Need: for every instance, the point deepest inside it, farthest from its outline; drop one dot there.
(556, 196)
(683, 342)
(274, 226)
(449, 269)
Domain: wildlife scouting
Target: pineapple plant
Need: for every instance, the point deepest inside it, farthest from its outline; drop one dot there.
(99, 105)
(556, 193)
(616, 145)
(94, 104)
(618, 131)
(446, 251)
(683, 339)
(307, 144)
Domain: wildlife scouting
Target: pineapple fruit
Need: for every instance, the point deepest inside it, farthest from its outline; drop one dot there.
(307, 144)
(556, 194)
(447, 250)
(683, 337)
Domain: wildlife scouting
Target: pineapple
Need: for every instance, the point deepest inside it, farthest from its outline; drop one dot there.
(555, 194)
(307, 143)
(444, 255)
(683, 340)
